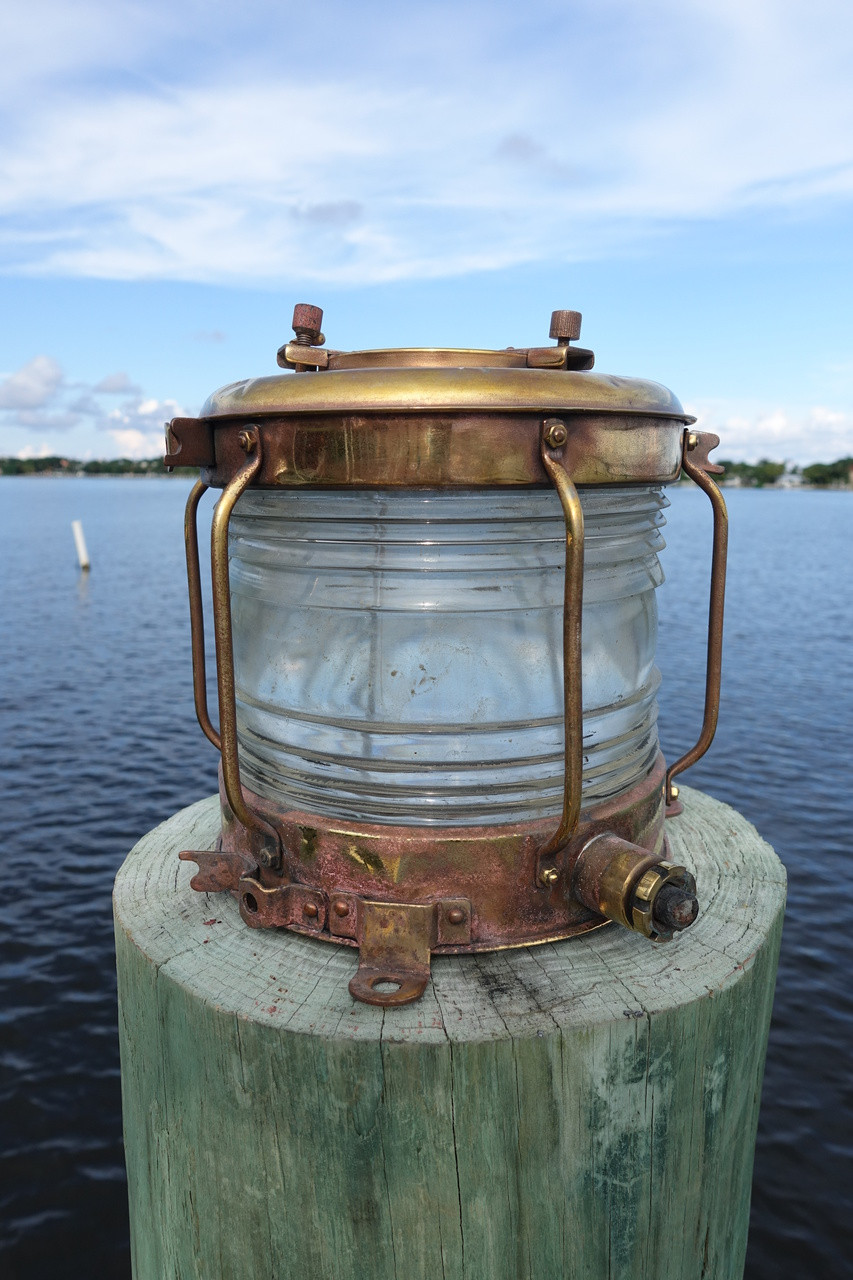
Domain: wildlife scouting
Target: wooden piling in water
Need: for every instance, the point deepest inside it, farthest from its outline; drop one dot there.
(584, 1110)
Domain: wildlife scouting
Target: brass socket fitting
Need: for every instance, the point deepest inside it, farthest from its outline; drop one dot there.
(634, 887)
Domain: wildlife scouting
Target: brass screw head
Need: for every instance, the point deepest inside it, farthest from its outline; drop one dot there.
(549, 876)
(673, 791)
(556, 434)
(311, 910)
(246, 441)
(692, 440)
(340, 907)
(456, 915)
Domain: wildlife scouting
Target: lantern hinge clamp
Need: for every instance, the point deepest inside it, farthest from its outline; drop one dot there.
(288, 906)
(299, 356)
(560, 357)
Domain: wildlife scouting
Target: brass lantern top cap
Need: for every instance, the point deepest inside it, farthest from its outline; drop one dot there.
(430, 416)
(547, 379)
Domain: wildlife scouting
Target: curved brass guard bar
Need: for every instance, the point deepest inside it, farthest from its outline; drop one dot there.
(572, 679)
(715, 616)
(197, 612)
(222, 629)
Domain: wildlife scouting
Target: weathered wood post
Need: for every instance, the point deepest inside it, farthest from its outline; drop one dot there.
(584, 1109)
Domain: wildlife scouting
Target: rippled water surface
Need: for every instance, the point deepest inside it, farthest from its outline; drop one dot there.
(99, 743)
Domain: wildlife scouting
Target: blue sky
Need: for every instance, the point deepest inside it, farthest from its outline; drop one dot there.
(173, 177)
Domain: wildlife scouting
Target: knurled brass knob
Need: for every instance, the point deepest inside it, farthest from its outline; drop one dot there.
(565, 325)
(307, 324)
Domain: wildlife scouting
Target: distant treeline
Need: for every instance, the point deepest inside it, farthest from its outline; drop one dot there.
(56, 466)
(755, 475)
(758, 474)
(840, 472)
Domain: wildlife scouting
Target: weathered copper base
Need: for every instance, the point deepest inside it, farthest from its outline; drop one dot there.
(402, 893)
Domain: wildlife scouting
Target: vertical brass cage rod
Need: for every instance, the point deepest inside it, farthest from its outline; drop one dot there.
(572, 611)
(220, 579)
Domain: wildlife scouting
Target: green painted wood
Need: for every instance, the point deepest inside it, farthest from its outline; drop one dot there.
(580, 1110)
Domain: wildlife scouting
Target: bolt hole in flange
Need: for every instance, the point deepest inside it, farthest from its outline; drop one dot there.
(372, 987)
(250, 902)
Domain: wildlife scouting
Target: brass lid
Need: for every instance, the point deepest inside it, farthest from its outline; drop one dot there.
(455, 386)
(428, 416)
(434, 379)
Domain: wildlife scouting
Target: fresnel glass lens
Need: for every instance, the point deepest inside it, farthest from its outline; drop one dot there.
(434, 579)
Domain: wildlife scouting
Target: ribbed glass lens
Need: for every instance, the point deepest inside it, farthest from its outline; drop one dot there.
(399, 653)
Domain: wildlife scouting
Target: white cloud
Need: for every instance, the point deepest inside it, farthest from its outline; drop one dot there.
(38, 398)
(800, 436)
(133, 443)
(419, 146)
(137, 427)
(32, 386)
(36, 451)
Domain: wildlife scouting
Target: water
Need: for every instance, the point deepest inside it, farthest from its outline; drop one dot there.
(99, 743)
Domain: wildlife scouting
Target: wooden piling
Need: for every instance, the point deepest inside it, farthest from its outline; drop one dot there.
(584, 1110)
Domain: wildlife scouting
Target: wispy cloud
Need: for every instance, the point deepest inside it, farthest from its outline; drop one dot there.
(115, 384)
(444, 141)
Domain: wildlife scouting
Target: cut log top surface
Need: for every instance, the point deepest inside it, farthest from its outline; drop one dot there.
(281, 979)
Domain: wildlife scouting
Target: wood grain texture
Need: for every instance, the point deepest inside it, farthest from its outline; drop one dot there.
(579, 1110)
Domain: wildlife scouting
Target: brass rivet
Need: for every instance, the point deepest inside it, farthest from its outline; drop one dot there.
(311, 910)
(456, 915)
(556, 434)
(692, 440)
(673, 791)
(340, 907)
(549, 875)
(246, 441)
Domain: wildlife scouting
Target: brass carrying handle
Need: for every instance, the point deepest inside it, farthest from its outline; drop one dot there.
(226, 739)
(698, 467)
(554, 437)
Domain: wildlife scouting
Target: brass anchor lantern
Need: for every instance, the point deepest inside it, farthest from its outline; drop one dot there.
(434, 579)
